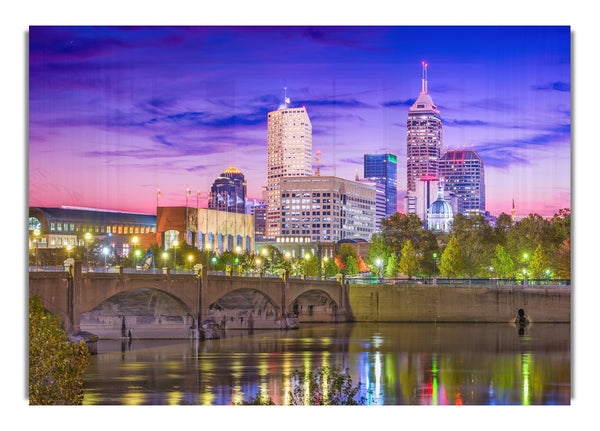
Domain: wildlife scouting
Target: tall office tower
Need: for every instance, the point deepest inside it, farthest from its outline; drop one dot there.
(380, 200)
(463, 174)
(382, 169)
(423, 138)
(228, 192)
(289, 154)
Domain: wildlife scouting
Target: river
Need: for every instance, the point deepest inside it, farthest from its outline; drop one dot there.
(395, 364)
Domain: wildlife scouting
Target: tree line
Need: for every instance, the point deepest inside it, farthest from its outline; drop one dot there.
(533, 247)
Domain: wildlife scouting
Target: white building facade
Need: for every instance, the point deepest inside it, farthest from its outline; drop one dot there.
(289, 154)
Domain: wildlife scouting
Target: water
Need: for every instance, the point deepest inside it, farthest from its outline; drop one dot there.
(396, 364)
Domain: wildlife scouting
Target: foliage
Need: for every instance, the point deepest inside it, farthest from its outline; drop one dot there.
(331, 269)
(451, 262)
(563, 260)
(56, 365)
(539, 263)
(503, 265)
(351, 267)
(408, 260)
(477, 243)
(323, 386)
(258, 400)
(391, 267)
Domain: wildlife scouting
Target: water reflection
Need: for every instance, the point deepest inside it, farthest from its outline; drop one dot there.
(395, 363)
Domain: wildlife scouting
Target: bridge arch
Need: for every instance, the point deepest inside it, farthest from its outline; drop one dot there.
(145, 311)
(314, 305)
(244, 308)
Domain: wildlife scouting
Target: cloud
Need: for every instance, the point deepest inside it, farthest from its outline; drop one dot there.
(554, 86)
(344, 103)
(392, 103)
(460, 123)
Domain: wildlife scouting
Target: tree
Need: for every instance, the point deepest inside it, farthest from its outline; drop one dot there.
(539, 263)
(56, 365)
(351, 267)
(408, 260)
(325, 386)
(476, 240)
(503, 265)
(391, 266)
(451, 262)
(563, 260)
(331, 269)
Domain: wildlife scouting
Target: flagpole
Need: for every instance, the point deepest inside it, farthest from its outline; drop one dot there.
(227, 222)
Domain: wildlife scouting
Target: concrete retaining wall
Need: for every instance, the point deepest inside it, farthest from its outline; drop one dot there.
(426, 303)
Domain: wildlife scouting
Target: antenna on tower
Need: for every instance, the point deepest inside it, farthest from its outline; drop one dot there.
(424, 80)
(318, 160)
(286, 100)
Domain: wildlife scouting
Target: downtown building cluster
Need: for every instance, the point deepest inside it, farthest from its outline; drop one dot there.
(300, 205)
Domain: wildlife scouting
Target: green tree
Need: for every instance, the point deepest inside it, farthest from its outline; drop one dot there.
(563, 260)
(351, 267)
(539, 263)
(391, 266)
(325, 386)
(451, 261)
(503, 265)
(331, 269)
(407, 264)
(56, 365)
(477, 243)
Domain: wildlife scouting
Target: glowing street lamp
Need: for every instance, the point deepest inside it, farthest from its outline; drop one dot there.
(105, 251)
(36, 234)
(175, 244)
(137, 254)
(379, 264)
(165, 255)
(434, 264)
(87, 237)
(69, 248)
(306, 258)
(190, 258)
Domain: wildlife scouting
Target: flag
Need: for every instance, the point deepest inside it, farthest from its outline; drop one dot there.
(148, 260)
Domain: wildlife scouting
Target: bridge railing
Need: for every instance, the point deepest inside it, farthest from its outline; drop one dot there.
(47, 268)
(458, 281)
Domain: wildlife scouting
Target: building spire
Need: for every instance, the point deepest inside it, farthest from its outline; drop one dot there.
(286, 100)
(424, 79)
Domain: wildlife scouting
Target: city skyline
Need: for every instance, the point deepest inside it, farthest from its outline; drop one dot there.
(117, 112)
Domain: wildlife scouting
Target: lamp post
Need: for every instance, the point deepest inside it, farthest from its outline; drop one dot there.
(190, 258)
(175, 244)
(525, 257)
(434, 265)
(105, 253)
(379, 263)
(306, 259)
(88, 237)
(69, 247)
(135, 240)
(36, 234)
(165, 255)
(208, 248)
(137, 254)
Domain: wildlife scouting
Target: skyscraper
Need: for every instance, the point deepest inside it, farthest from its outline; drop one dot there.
(228, 192)
(289, 154)
(463, 174)
(382, 169)
(423, 137)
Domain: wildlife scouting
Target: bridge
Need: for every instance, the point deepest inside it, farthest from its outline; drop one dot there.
(107, 303)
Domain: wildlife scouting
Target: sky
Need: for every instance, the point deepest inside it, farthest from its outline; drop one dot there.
(117, 112)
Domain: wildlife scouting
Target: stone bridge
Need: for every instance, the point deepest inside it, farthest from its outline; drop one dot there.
(93, 300)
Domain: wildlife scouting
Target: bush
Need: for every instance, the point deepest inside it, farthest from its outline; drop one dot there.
(56, 365)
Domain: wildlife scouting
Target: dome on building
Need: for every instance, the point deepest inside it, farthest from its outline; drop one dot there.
(232, 170)
(440, 214)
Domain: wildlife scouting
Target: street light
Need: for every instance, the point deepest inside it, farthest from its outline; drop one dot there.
(88, 237)
(165, 255)
(379, 263)
(434, 263)
(190, 258)
(36, 234)
(306, 258)
(134, 240)
(69, 248)
(175, 244)
(137, 254)
(105, 251)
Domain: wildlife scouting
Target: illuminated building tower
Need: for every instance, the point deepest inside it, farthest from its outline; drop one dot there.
(382, 169)
(463, 174)
(228, 192)
(423, 138)
(289, 154)
(513, 212)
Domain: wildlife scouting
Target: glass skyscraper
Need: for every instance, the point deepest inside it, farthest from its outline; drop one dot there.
(382, 169)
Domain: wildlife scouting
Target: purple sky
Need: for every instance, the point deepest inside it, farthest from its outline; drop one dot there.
(114, 112)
